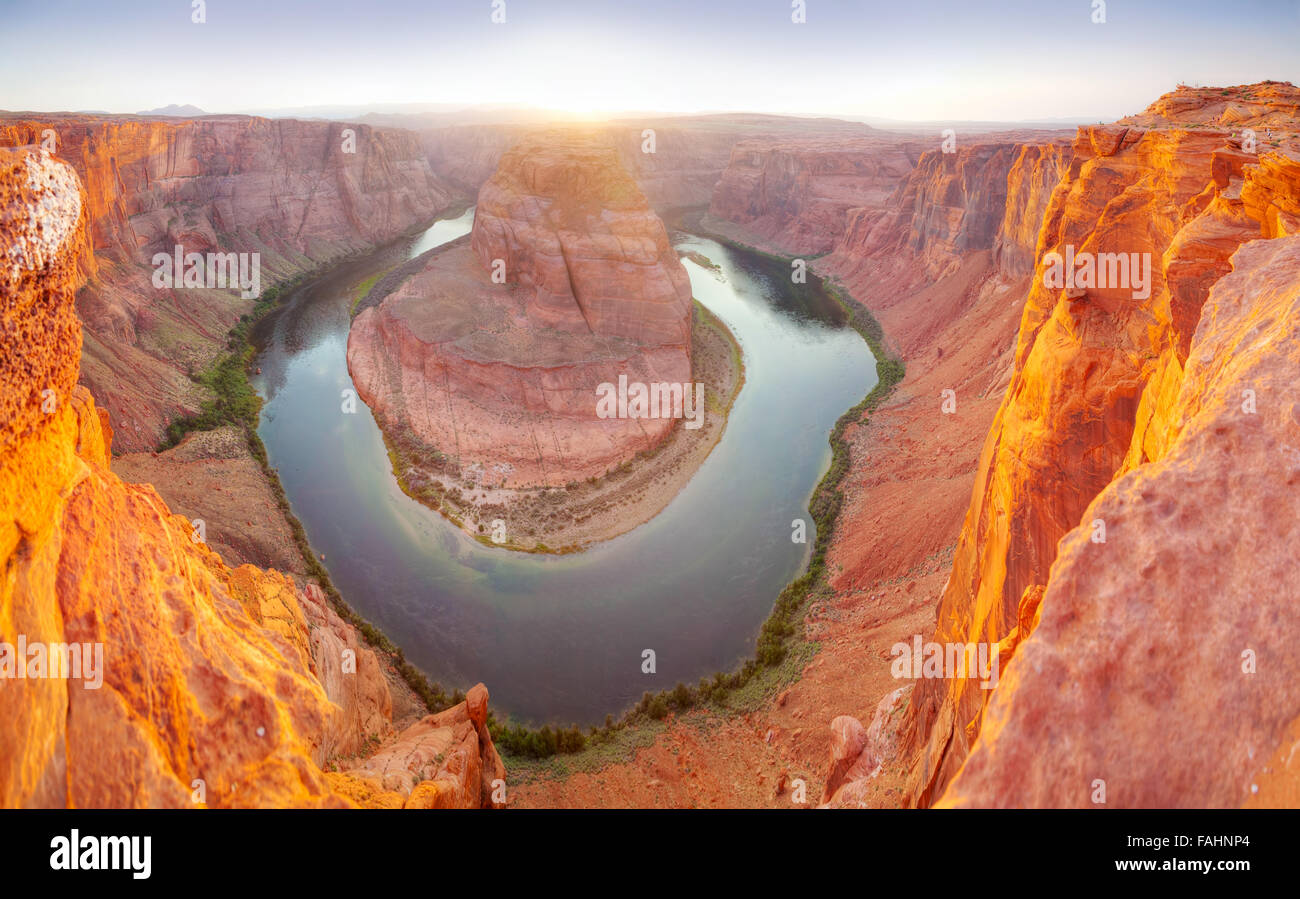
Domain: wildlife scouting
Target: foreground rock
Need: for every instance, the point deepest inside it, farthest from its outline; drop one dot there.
(1102, 374)
(1163, 666)
(500, 379)
(193, 684)
(442, 761)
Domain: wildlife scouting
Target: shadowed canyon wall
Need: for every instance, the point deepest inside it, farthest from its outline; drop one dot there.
(293, 192)
(795, 193)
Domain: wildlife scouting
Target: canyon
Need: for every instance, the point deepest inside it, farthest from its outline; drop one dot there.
(1129, 665)
(300, 194)
(1149, 654)
(487, 362)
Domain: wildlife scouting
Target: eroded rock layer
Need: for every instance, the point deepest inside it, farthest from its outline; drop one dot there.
(1115, 416)
(502, 375)
(796, 193)
(1160, 666)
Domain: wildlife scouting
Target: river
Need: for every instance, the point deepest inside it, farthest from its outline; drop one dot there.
(559, 639)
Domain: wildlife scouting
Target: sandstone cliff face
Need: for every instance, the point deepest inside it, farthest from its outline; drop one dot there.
(285, 189)
(686, 160)
(795, 194)
(502, 377)
(1031, 180)
(675, 161)
(1094, 394)
(196, 684)
(949, 206)
(1163, 665)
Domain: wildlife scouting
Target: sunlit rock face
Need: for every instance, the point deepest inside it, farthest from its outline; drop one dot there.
(1126, 517)
(1101, 379)
(492, 350)
(1163, 666)
(191, 683)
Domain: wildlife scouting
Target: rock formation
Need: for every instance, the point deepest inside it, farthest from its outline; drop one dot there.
(502, 377)
(1122, 403)
(675, 161)
(795, 193)
(193, 684)
(1161, 664)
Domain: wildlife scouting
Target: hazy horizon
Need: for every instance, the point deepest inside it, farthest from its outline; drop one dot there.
(923, 62)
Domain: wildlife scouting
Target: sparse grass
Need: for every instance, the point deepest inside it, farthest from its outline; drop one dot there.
(362, 289)
(234, 401)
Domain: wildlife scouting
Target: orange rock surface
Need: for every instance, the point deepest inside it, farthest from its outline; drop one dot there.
(1093, 395)
(503, 377)
(1163, 663)
(196, 684)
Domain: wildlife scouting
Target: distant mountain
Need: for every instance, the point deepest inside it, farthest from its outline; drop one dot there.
(186, 111)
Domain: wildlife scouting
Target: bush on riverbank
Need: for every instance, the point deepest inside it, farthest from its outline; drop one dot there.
(234, 401)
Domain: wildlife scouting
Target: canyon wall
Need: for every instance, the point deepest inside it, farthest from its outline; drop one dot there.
(676, 162)
(1162, 671)
(501, 374)
(982, 195)
(297, 193)
(1096, 531)
(192, 684)
(795, 193)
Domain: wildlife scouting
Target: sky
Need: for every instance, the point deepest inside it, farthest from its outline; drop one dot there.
(995, 60)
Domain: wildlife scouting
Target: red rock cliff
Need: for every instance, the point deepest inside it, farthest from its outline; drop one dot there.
(795, 194)
(675, 161)
(1102, 387)
(1163, 668)
(285, 189)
